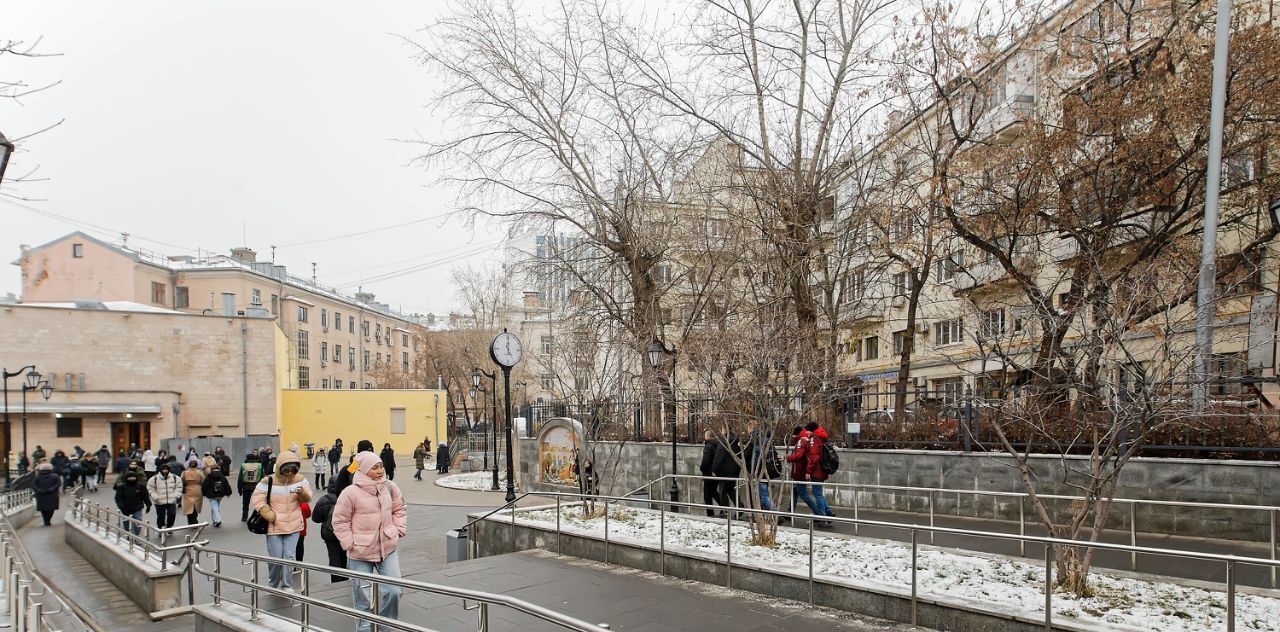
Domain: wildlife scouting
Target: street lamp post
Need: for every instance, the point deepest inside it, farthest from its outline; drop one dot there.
(476, 374)
(46, 390)
(33, 378)
(656, 352)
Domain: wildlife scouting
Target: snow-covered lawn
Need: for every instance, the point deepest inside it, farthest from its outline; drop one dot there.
(474, 481)
(985, 582)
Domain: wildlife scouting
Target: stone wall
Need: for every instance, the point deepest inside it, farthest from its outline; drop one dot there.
(1188, 480)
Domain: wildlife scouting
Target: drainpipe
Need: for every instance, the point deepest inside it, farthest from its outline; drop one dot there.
(244, 372)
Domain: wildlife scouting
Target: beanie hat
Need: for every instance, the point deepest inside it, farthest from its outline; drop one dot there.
(365, 461)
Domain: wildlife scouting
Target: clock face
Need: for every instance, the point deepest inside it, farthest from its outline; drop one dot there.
(506, 349)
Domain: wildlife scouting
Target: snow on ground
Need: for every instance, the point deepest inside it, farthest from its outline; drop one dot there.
(474, 481)
(985, 582)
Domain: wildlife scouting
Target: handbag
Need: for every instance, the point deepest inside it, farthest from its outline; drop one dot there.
(258, 524)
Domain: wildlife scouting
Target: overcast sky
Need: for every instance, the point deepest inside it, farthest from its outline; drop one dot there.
(209, 125)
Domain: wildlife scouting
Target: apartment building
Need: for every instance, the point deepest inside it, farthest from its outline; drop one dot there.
(974, 327)
(335, 340)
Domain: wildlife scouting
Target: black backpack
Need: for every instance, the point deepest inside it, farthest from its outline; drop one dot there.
(830, 461)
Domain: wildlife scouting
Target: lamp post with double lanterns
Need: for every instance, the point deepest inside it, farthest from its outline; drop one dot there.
(476, 374)
(657, 353)
(46, 391)
(33, 380)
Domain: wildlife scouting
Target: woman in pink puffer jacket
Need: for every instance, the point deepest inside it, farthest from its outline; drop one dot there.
(369, 519)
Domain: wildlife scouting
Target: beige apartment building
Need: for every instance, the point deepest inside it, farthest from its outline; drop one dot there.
(125, 373)
(335, 340)
(974, 328)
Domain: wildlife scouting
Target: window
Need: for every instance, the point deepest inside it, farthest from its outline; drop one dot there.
(70, 427)
(547, 382)
(337, 384)
(899, 342)
(157, 293)
(947, 267)
(181, 296)
(1228, 371)
(337, 353)
(853, 285)
(870, 347)
(352, 386)
(351, 361)
(951, 389)
(1239, 168)
(77, 251)
(377, 332)
(948, 332)
(404, 340)
(304, 377)
(337, 320)
(324, 318)
(324, 352)
(397, 421)
(228, 304)
(404, 361)
(900, 284)
(388, 359)
(368, 361)
(581, 383)
(1064, 299)
(302, 314)
(900, 227)
(275, 305)
(662, 273)
(548, 344)
(324, 383)
(304, 344)
(1131, 380)
(257, 298)
(367, 385)
(364, 329)
(351, 324)
(992, 325)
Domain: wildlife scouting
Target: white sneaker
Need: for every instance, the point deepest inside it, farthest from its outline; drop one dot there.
(289, 590)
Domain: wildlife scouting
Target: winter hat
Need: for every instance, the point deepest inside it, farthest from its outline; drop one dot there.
(365, 462)
(286, 458)
(46, 466)
(365, 445)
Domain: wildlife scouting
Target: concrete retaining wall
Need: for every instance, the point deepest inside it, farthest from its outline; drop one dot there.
(154, 591)
(495, 538)
(1241, 482)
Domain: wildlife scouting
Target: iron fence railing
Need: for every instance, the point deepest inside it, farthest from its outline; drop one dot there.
(30, 602)
(308, 604)
(1050, 544)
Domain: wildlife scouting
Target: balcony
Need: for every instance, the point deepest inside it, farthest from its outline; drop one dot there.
(863, 312)
(1003, 122)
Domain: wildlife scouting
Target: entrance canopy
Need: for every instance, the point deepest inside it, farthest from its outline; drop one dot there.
(90, 409)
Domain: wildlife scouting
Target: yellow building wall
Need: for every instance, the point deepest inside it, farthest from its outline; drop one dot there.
(318, 416)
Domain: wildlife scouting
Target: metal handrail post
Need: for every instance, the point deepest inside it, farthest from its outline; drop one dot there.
(217, 579)
(1022, 528)
(606, 532)
(811, 561)
(37, 615)
(728, 550)
(931, 503)
(558, 547)
(855, 509)
(662, 538)
(375, 599)
(20, 608)
(1274, 514)
(914, 549)
(1133, 536)
(1048, 588)
(484, 617)
(253, 594)
(1231, 596)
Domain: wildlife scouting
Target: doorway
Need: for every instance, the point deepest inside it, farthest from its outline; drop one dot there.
(123, 434)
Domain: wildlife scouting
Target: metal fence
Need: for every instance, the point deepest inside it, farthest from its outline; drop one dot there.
(308, 605)
(625, 421)
(1050, 544)
(31, 603)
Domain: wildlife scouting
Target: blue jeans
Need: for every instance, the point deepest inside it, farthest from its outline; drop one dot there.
(812, 496)
(388, 596)
(284, 547)
(764, 497)
(136, 525)
(821, 500)
(215, 509)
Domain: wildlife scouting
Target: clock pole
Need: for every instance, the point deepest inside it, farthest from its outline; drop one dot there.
(506, 384)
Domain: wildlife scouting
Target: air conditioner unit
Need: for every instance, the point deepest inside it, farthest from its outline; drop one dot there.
(922, 328)
(324, 363)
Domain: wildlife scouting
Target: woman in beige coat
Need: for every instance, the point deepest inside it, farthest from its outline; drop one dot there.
(192, 498)
(283, 510)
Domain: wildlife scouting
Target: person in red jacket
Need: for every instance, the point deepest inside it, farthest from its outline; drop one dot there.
(817, 476)
(800, 467)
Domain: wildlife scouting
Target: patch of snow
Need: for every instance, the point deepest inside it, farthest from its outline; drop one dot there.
(474, 481)
(987, 583)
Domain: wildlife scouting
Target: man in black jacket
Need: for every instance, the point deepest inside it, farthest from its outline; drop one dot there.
(725, 466)
(131, 498)
(710, 488)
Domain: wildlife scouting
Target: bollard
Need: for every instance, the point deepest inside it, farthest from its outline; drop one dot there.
(34, 621)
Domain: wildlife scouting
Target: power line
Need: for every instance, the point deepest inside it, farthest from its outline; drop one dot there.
(79, 223)
(426, 256)
(363, 232)
(423, 266)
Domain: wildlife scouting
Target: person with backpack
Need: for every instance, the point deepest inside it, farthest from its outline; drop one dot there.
(419, 461)
(132, 498)
(278, 499)
(224, 461)
(164, 490)
(215, 487)
(247, 480)
(89, 471)
(104, 462)
(322, 514)
(799, 460)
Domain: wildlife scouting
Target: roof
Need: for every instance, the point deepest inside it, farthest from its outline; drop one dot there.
(104, 306)
(85, 409)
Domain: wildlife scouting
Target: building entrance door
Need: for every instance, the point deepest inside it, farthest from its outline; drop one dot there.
(124, 434)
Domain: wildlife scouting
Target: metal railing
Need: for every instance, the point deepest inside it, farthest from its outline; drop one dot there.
(931, 495)
(32, 603)
(1050, 544)
(149, 542)
(308, 604)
